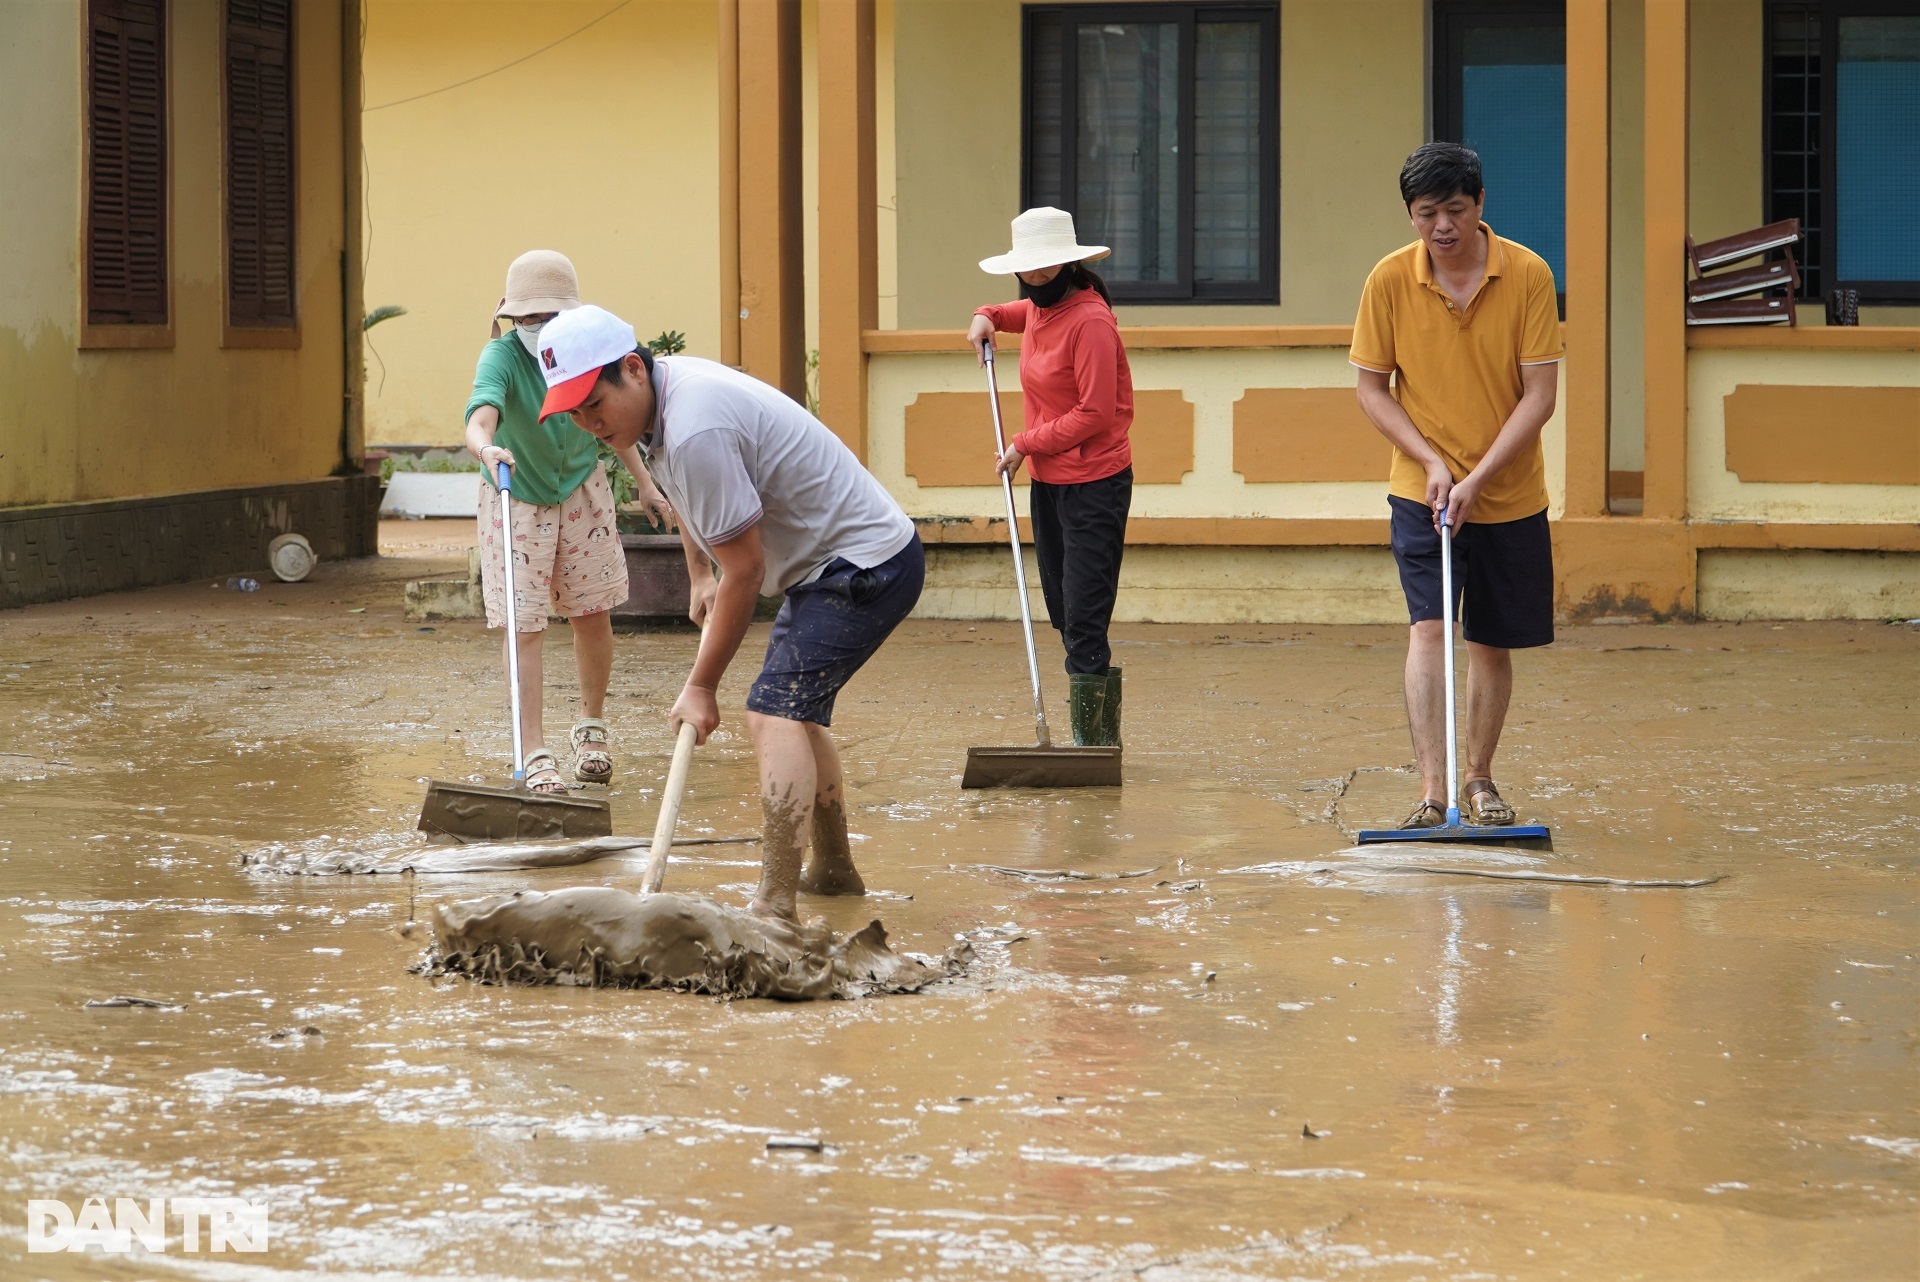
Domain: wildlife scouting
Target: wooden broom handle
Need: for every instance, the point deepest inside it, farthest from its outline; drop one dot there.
(656, 870)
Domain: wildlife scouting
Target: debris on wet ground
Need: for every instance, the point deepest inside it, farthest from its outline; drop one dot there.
(290, 1034)
(1307, 1132)
(1901, 1145)
(24, 767)
(1318, 868)
(1064, 874)
(796, 1143)
(476, 856)
(132, 1003)
(599, 937)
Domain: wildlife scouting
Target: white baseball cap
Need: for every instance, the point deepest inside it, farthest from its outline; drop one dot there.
(573, 347)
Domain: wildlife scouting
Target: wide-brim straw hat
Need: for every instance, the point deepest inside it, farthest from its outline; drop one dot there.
(1042, 237)
(540, 280)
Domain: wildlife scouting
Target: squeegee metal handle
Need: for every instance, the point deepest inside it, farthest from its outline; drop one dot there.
(656, 869)
(513, 641)
(1446, 619)
(1040, 731)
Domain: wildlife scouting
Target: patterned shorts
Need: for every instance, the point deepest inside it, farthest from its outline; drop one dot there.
(566, 558)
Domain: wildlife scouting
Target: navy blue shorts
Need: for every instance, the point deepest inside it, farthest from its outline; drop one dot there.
(1502, 575)
(828, 628)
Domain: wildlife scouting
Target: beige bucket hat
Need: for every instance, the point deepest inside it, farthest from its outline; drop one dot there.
(540, 280)
(1042, 237)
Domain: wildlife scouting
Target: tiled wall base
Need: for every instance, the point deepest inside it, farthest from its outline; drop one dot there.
(67, 550)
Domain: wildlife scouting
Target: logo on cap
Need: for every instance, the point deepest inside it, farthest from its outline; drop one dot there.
(546, 358)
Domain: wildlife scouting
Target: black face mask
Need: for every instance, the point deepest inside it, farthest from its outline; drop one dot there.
(1053, 291)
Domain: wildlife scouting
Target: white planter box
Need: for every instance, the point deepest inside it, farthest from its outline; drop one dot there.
(420, 494)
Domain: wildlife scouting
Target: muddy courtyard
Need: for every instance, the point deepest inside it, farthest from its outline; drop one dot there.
(1201, 1037)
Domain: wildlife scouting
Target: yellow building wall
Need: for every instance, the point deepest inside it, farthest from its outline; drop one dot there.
(1211, 381)
(1353, 95)
(83, 425)
(604, 147)
(1716, 494)
(1725, 165)
(1807, 583)
(1184, 585)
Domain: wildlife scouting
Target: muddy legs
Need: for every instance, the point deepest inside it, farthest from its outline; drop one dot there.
(800, 798)
(782, 841)
(831, 870)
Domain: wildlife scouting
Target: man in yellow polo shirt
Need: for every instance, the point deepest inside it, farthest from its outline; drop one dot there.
(1458, 346)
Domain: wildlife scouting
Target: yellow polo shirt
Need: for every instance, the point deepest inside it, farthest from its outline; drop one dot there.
(1457, 374)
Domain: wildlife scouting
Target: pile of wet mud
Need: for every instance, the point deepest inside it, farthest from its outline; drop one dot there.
(600, 937)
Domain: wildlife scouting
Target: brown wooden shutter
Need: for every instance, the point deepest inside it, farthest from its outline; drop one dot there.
(260, 164)
(126, 251)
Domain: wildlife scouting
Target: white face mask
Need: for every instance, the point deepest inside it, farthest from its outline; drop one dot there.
(529, 338)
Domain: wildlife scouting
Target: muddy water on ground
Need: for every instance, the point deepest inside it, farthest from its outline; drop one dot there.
(1500, 1079)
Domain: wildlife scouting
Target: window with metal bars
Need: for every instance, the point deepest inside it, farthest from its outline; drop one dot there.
(1157, 127)
(260, 159)
(126, 231)
(1793, 130)
(1843, 141)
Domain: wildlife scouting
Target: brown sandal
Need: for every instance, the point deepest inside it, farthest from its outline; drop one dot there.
(1427, 814)
(1484, 806)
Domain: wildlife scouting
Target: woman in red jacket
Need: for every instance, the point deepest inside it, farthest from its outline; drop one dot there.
(1077, 394)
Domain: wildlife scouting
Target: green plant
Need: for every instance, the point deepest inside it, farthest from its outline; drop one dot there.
(367, 322)
(625, 488)
(461, 462)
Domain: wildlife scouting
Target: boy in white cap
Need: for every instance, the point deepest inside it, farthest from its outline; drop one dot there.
(567, 555)
(772, 498)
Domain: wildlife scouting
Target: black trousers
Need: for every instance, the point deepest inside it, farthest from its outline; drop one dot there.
(1079, 532)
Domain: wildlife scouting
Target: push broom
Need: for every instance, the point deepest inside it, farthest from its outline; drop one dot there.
(474, 812)
(1530, 836)
(1044, 765)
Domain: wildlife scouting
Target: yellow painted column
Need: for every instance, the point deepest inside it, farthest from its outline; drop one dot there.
(1665, 337)
(353, 372)
(849, 216)
(1589, 257)
(772, 314)
(728, 43)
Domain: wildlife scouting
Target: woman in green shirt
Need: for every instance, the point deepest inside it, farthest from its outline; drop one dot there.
(566, 547)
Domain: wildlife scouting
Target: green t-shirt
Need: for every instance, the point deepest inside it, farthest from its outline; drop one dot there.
(551, 459)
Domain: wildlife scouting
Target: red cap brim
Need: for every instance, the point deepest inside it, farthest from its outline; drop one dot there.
(562, 397)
